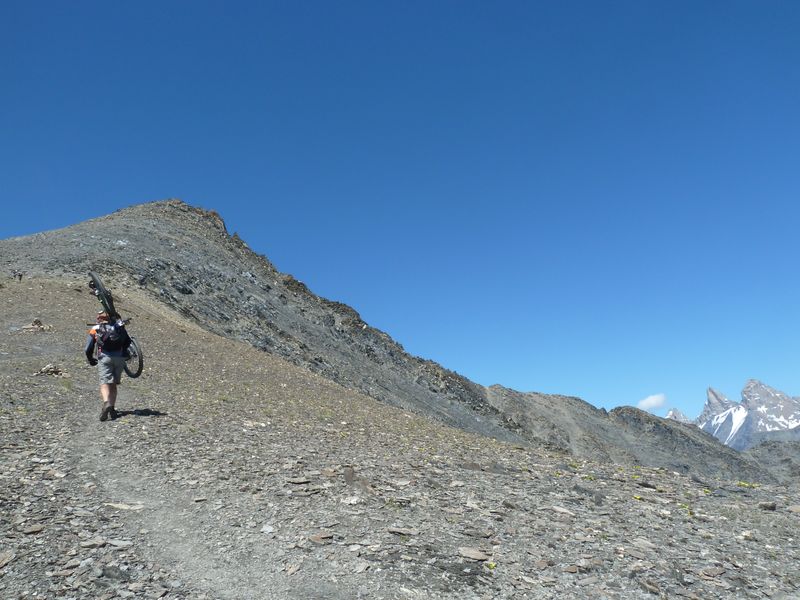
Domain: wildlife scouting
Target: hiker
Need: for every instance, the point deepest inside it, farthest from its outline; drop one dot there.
(107, 345)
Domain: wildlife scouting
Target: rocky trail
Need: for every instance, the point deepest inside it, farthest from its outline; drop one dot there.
(233, 474)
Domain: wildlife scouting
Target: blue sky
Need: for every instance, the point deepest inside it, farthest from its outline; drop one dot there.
(596, 199)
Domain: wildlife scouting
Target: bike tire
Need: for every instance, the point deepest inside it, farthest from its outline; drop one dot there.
(105, 297)
(135, 361)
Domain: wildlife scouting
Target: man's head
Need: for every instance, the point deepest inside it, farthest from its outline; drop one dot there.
(102, 317)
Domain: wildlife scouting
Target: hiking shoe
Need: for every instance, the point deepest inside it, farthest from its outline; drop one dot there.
(113, 413)
(105, 412)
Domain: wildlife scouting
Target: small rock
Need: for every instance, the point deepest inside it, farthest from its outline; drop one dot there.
(349, 474)
(479, 533)
(635, 553)
(644, 544)
(767, 506)
(321, 538)
(37, 528)
(123, 506)
(114, 574)
(63, 573)
(362, 566)
(571, 569)
(563, 511)
(402, 531)
(473, 554)
(97, 542)
(650, 586)
(6, 557)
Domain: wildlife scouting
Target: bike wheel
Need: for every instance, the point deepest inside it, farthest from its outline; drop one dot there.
(104, 296)
(135, 361)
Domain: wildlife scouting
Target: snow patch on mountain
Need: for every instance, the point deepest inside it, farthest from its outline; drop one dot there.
(736, 416)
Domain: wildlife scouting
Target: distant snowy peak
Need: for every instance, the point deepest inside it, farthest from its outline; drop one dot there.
(776, 410)
(757, 394)
(762, 409)
(716, 403)
(677, 415)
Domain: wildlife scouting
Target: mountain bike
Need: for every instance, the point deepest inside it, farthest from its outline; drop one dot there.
(134, 362)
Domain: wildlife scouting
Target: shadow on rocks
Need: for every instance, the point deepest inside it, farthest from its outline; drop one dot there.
(141, 412)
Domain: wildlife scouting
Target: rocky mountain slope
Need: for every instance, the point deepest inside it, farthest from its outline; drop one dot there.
(764, 413)
(184, 258)
(235, 474)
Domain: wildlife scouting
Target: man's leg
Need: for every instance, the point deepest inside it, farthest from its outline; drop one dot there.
(112, 400)
(108, 392)
(105, 392)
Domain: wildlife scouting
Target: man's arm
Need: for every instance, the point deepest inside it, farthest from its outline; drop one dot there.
(89, 350)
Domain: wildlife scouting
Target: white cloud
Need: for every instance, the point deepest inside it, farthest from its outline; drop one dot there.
(652, 402)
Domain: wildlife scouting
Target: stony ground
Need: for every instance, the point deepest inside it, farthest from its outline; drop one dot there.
(233, 474)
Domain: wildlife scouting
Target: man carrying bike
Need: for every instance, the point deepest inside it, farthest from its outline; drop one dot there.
(107, 346)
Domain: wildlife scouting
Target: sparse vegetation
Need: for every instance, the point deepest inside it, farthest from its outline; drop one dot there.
(747, 484)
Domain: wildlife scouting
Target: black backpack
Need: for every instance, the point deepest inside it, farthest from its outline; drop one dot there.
(112, 337)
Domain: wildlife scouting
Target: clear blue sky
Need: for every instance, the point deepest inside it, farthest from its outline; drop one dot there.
(589, 198)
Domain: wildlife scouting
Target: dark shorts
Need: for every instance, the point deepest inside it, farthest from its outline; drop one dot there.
(110, 368)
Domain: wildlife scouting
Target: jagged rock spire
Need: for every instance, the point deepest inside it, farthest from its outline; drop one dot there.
(716, 403)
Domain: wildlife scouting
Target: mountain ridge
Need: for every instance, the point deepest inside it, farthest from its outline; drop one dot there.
(184, 257)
